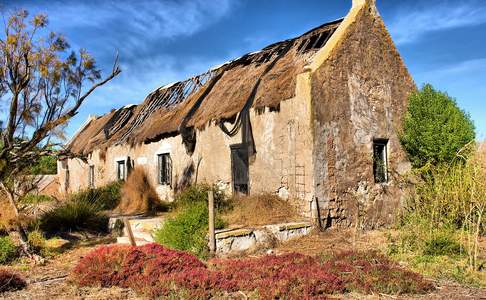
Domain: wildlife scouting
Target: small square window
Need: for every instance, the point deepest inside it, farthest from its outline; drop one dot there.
(380, 160)
(91, 177)
(164, 169)
(121, 170)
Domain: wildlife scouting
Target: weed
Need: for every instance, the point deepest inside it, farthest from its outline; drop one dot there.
(8, 251)
(35, 199)
(74, 215)
(187, 229)
(106, 197)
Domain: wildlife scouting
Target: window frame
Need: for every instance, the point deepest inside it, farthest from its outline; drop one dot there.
(121, 162)
(164, 169)
(91, 176)
(380, 177)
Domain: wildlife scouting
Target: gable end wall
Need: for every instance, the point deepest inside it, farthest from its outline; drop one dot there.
(358, 94)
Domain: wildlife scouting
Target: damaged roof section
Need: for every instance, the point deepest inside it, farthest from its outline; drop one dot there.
(220, 93)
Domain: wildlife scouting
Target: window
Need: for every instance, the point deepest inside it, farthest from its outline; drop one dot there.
(120, 170)
(380, 160)
(165, 168)
(91, 175)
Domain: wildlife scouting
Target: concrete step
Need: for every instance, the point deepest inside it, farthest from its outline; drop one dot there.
(124, 240)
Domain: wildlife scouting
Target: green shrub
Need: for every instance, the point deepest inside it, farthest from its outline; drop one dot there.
(37, 242)
(441, 245)
(107, 197)
(435, 128)
(74, 215)
(35, 199)
(199, 193)
(8, 251)
(188, 227)
(187, 230)
(44, 165)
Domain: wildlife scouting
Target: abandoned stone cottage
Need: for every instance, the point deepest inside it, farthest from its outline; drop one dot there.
(314, 119)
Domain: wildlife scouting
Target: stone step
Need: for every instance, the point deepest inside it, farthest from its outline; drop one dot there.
(125, 240)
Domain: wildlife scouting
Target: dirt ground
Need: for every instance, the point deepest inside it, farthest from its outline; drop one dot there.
(49, 281)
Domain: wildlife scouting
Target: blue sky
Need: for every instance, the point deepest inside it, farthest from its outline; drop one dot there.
(442, 42)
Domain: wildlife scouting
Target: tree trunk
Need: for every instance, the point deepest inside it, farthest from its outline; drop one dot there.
(18, 234)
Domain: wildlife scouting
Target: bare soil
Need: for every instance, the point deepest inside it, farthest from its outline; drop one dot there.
(50, 281)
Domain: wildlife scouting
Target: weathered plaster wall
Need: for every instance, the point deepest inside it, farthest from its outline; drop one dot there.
(359, 93)
(282, 164)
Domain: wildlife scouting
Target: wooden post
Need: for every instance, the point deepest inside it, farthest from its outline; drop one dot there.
(129, 232)
(212, 236)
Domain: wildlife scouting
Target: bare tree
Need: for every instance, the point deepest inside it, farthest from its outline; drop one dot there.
(42, 86)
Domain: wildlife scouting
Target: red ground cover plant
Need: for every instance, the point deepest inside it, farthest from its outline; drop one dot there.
(157, 272)
(290, 276)
(369, 272)
(10, 281)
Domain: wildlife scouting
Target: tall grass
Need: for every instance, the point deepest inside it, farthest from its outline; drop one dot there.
(446, 214)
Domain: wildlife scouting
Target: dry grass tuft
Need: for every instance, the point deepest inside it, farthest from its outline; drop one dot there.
(263, 209)
(7, 216)
(138, 196)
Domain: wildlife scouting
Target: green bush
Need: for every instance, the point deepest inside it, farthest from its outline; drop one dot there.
(35, 199)
(37, 242)
(106, 197)
(74, 215)
(441, 245)
(8, 251)
(44, 165)
(188, 227)
(435, 128)
(199, 193)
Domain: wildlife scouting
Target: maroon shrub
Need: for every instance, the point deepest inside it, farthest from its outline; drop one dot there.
(157, 272)
(291, 276)
(371, 272)
(10, 281)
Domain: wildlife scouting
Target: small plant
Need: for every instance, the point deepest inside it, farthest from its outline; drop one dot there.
(38, 243)
(10, 281)
(8, 251)
(441, 245)
(35, 199)
(74, 215)
(187, 229)
(106, 197)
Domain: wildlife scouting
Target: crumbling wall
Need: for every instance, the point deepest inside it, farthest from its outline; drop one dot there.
(359, 94)
(281, 165)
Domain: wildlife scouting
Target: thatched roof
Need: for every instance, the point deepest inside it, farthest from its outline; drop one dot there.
(218, 94)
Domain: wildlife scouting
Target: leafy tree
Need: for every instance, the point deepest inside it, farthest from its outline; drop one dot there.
(435, 128)
(42, 86)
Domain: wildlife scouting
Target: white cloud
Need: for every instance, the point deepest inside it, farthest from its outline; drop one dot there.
(409, 24)
(464, 69)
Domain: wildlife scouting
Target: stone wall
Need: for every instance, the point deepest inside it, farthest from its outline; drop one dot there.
(359, 94)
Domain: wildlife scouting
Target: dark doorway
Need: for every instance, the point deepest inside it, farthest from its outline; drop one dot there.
(239, 168)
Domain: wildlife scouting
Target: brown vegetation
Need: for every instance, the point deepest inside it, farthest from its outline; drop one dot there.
(261, 209)
(138, 196)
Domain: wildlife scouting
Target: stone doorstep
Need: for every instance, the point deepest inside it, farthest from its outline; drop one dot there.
(294, 226)
(238, 232)
(233, 233)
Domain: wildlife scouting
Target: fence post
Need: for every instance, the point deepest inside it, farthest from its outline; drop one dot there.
(129, 232)
(212, 237)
